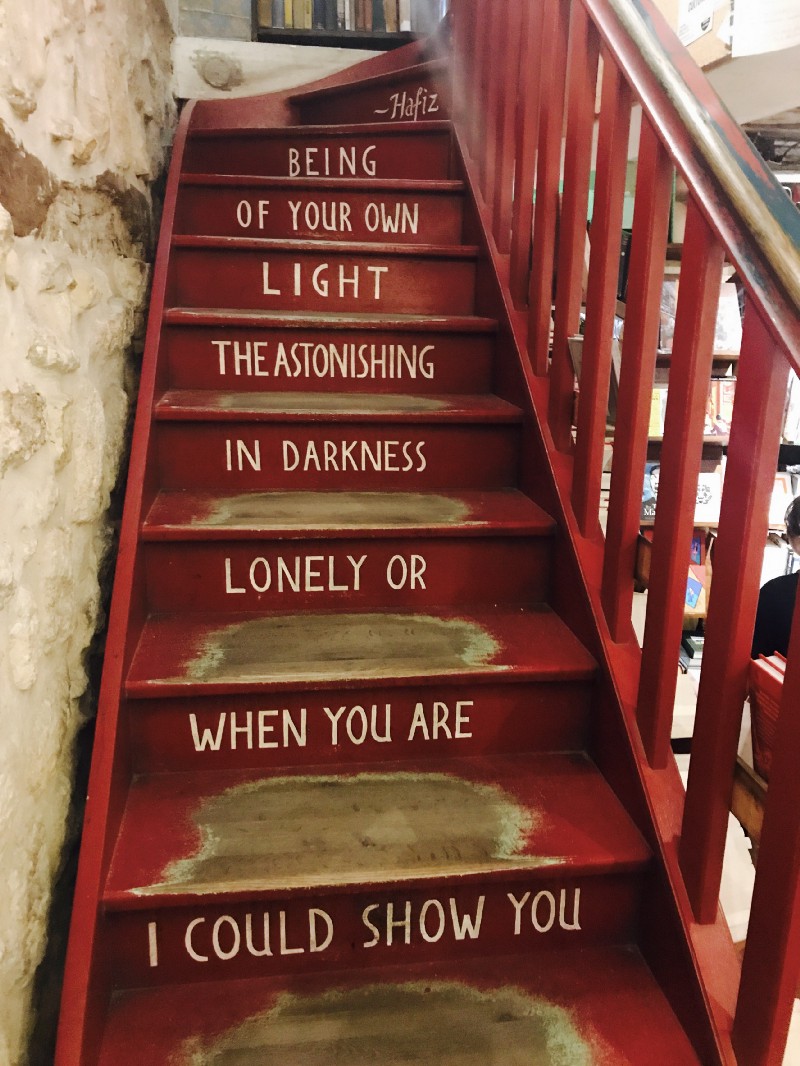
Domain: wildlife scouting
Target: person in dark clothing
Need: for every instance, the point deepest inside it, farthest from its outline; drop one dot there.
(776, 599)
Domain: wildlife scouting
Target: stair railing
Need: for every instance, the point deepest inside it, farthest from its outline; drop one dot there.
(530, 75)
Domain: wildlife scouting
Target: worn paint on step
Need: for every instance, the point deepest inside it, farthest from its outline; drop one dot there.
(327, 402)
(320, 510)
(290, 831)
(439, 1022)
(340, 646)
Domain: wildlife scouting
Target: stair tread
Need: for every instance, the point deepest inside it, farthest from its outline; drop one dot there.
(186, 514)
(236, 832)
(389, 77)
(344, 406)
(590, 1005)
(222, 316)
(310, 131)
(199, 653)
(369, 248)
(376, 185)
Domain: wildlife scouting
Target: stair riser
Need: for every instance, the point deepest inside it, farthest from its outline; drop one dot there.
(315, 360)
(378, 725)
(414, 99)
(329, 931)
(240, 457)
(351, 574)
(331, 282)
(423, 155)
(309, 214)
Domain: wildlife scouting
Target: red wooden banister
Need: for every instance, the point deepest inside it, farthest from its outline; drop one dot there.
(534, 137)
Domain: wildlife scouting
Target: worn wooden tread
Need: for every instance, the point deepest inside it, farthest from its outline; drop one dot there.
(206, 515)
(371, 185)
(372, 129)
(382, 408)
(549, 815)
(349, 248)
(583, 1007)
(219, 316)
(198, 654)
(418, 70)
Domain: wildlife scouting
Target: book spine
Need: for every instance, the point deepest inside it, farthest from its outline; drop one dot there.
(390, 16)
(360, 21)
(318, 14)
(404, 15)
(368, 15)
(330, 14)
(278, 14)
(341, 14)
(265, 13)
(288, 13)
(308, 16)
(378, 19)
(349, 14)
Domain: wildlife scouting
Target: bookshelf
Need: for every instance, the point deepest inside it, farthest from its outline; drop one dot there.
(378, 25)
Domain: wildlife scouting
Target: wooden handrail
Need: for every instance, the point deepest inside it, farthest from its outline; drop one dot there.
(736, 213)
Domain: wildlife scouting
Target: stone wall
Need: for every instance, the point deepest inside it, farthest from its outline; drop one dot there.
(85, 115)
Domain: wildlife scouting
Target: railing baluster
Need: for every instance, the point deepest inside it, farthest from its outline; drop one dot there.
(642, 318)
(548, 176)
(690, 372)
(501, 208)
(752, 461)
(495, 57)
(582, 69)
(532, 34)
(601, 298)
(481, 87)
(771, 964)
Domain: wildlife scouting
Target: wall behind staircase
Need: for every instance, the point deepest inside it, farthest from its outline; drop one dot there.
(85, 113)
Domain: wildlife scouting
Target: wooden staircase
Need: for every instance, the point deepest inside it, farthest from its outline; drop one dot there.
(349, 803)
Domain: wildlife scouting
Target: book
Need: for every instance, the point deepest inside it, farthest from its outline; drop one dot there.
(341, 14)
(390, 16)
(288, 13)
(692, 645)
(350, 14)
(265, 13)
(330, 14)
(378, 17)
(318, 14)
(308, 16)
(404, 15)
(278, 13)
(765, 688)
(298, 14)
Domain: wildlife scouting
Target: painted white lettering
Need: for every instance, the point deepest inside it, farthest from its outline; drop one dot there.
(376, 933)
(263, 211)
(377, 271)
(462, 719)
(550, 902)
(321, 285)
(225, 920)
(419, 721)
(316, 915)
(209, 739)
(248, 937)
(465, 925)
(294, 162)
(285, 949)
(431, 938)
(574, 925)
(230, 588)
(152, 943)
(402, 923)
(244, 214)
(188, 940)
(518, 904)
(265, 272)
(334, 720)
(246, 730)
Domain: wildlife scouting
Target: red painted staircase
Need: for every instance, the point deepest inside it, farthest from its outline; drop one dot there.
(350, 796)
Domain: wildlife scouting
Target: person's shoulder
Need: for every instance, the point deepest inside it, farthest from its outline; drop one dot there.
(780, 586)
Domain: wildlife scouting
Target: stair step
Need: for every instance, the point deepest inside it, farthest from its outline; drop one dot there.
(192, 404)
(409, 451)
(414, 151)
(263, 350)
(584, 1006)
(205, 515)
(444, 718)
(414, 94)
(357, 573)
(360, 844)
(252, 272)
(184, 655)
(332, 209)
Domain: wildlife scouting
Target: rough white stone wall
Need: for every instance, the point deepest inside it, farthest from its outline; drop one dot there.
(85, 112)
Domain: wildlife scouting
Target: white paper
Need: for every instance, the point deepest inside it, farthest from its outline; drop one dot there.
(695, 18)
(765, 26)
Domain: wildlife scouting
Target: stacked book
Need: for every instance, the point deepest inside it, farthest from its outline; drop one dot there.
(691, 654)
(765, 685)
(381, 16)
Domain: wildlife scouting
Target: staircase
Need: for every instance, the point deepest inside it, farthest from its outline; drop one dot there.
(348, 803)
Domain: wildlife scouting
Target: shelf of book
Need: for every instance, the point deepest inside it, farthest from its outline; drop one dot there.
(373, 24)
